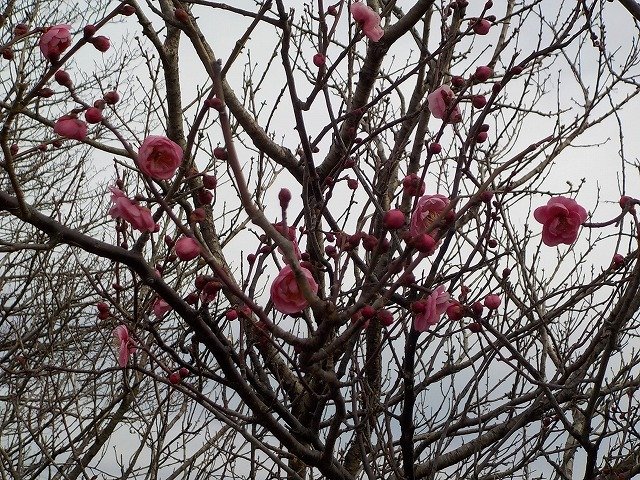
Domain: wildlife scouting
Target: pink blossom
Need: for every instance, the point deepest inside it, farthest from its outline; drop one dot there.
(561, 218)
(161, 308)
(434, 306)
(55, 41)
(429, 207)
(139, 217)
(187, 248)
(70, 127)
(440, 101)
(368, 20)
(286, 294)
(125, 343)
(159, 157)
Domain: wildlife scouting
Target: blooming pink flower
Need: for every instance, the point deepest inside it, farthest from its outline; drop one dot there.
(286, 294)
(187, 248)
(427, 210)
(70, 127)
(561, 218)
(55, 41)
(368, 20)
(434, 306)
(139, 217)
(161, 308)
(159, 157)
(126, 346)
(440, 100)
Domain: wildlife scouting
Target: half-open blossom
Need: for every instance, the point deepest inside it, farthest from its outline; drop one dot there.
(70, 127)
(161, 308)
(432, 309)
(368, 20)
(561, 218)
(159, 157)
(286, 295)
(429, 207)
(125, 344)
(187, 248)
(139, 217)
(440, 101)
(54, 41)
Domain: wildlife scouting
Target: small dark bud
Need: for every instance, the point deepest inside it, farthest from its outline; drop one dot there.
(284, 196)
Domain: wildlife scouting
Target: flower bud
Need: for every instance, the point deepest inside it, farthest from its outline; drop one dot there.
(319, 60)
(492, 302)
(368, 311)
(478, 101)
(181, 15)
(455, 311)
(198, 215)
(192, 298)
(481, 26)
(102, 307)
(93, 115)
(369, 243)
(424, 243)
(385, 317)
(486, 196)
(475, 327)
(210, 182)
(220, 153)
(483, 73)
(127, 10)
(205, 197)
(45, 92)
(413, 185)
(63, 78)
(101, 43)
(457, 81)
(215, 103)
(111, 97)
(435, 148)
(89, 30)
(284, 196)
(618, 261)
(21, 29)
(393, 219)
(477, 308)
